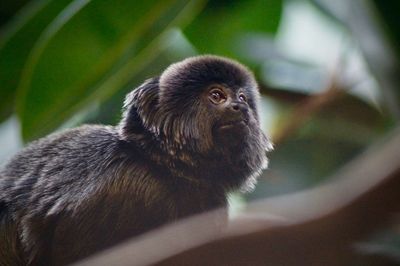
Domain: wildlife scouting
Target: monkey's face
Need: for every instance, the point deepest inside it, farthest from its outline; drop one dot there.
(228, 106)
(210, 116)
(208, 105)
(229, 114)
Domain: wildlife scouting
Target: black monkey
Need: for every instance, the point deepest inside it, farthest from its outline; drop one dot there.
(186, 139)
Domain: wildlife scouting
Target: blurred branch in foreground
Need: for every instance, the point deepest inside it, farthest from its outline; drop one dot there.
(320, 226)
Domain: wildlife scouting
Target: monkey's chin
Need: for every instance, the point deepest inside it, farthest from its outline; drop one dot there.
(233, 133)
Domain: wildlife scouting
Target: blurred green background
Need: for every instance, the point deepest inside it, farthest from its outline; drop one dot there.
(328, 72)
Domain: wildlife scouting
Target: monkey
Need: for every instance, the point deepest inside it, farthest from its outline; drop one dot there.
(186, 138)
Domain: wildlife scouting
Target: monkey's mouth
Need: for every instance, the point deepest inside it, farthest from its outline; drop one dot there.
(233, 124)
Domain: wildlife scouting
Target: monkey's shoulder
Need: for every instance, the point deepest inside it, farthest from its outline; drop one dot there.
(63, 149)
(77, 166)
(60, 164)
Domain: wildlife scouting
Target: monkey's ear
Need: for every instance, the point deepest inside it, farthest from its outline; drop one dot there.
(140, 108)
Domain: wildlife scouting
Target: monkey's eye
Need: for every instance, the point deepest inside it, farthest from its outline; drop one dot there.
(217, 96)
(242, 97)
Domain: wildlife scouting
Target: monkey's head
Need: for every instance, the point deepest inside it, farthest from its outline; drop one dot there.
(201, 108)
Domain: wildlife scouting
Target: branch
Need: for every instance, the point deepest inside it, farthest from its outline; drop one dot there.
(304, 110)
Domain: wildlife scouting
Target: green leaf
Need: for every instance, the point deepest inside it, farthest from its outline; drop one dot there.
(9, 8)
(220, 26)
(15, 46)
(389, 15)
(88, 53)
(175, 48)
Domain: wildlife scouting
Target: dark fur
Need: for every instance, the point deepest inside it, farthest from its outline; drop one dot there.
(73, 193)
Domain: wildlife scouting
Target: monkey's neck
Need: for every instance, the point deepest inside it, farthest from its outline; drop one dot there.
(227, 166)
(223, 171)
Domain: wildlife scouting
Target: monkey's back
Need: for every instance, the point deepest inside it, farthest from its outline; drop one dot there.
(76, 192)
(58, 165)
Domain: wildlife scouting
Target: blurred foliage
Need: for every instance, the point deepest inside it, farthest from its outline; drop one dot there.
(389, 11)
(16, 45)
(373, 26)
(9, 8)
(222, 24)
(66, 62)
(85, 53)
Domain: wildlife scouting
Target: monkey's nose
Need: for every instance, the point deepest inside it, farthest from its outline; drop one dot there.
(237, 107)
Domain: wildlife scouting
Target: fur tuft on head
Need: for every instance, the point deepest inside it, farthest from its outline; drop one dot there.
(197, 72)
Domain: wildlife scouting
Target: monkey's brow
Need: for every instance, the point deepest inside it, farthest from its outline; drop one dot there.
(233, 87)
(218, 84)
